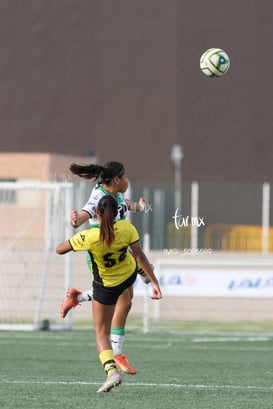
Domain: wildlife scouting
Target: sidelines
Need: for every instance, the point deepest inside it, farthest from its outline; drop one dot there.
(158, 385)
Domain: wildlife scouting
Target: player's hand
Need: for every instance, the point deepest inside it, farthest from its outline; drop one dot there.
(75, 219)
(144, 205)
(156, 293)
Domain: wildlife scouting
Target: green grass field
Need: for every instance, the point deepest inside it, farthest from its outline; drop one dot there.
(188, 369)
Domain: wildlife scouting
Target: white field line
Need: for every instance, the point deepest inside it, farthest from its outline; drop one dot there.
(196, 345)
(157, 385)
(231, 339)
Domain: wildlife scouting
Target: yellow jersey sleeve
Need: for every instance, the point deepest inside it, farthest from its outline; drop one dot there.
(84, 239)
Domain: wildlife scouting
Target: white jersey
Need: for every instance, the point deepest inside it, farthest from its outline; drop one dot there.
(97, 193)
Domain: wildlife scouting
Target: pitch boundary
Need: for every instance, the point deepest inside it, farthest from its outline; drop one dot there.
(157, 385)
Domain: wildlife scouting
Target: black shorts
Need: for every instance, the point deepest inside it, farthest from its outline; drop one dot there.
(109, 295)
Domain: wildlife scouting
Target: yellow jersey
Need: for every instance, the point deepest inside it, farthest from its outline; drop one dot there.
(111, 266)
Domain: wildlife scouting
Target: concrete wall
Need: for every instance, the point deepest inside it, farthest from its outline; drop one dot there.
(41, 166)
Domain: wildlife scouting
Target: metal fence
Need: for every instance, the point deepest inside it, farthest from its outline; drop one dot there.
(219, 216)
(216, 216)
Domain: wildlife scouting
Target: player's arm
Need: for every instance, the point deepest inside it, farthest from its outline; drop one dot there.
(64, 247)
(79, 242)
(78, 218)
(88, 211)
(144, 263)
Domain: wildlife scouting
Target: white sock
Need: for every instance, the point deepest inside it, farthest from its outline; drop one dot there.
(117, 343)
(85, 296)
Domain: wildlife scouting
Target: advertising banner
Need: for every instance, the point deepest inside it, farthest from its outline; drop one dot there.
(212, 282)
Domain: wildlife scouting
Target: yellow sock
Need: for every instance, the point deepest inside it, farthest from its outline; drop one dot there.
(107, 361)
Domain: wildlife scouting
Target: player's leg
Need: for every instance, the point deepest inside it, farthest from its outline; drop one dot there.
(121, 312)
(74, 297)
(102, 317)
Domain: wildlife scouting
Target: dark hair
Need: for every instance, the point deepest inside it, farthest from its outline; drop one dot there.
(108, 210)
(106, 173)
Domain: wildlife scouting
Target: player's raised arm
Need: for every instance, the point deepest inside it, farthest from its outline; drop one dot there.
(78, 218)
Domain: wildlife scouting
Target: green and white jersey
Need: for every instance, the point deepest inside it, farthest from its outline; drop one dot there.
(97, 193)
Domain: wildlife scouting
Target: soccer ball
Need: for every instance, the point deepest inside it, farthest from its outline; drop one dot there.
(214, 62)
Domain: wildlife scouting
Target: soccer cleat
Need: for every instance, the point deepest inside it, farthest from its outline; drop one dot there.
(123, 365)
(71, 301)
(111, 381)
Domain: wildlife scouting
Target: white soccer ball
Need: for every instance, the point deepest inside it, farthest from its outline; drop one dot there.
(214, 62)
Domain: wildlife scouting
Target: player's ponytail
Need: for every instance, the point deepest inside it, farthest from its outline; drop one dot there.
(105, 173)
(86, 171)
(108, 210)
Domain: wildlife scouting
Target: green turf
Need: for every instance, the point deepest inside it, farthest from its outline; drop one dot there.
(46, 370)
